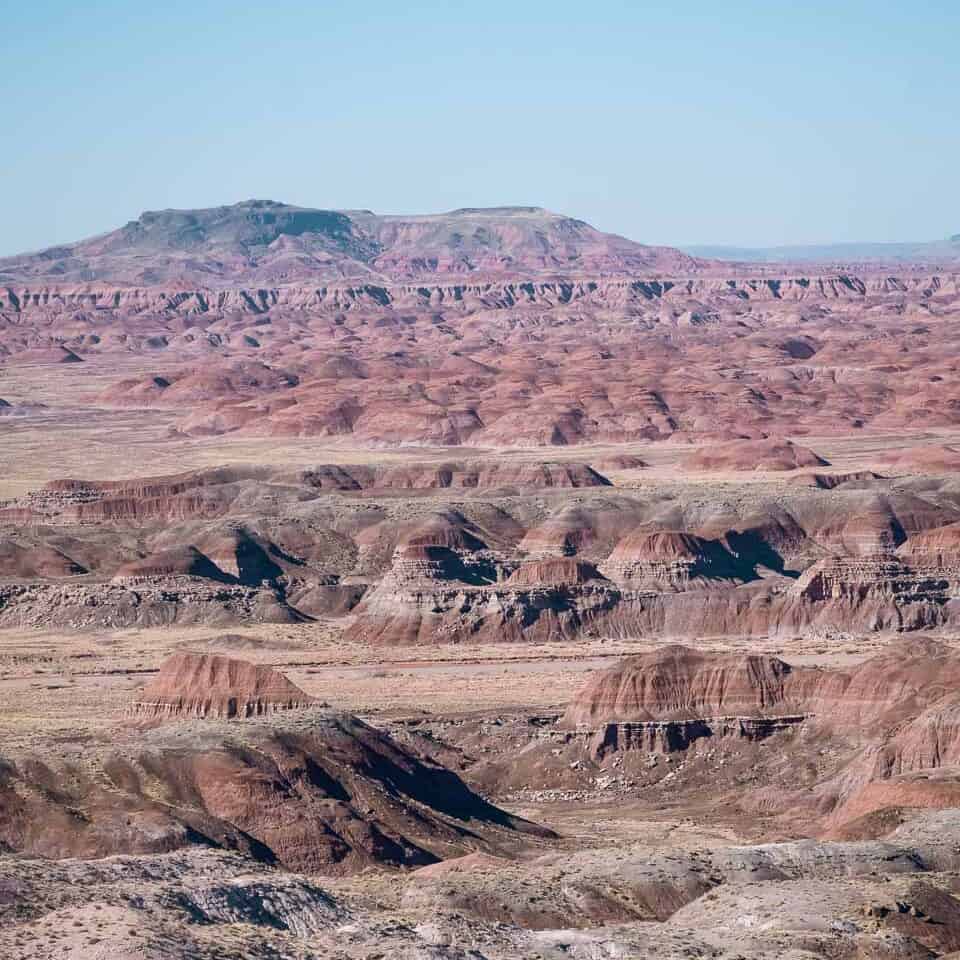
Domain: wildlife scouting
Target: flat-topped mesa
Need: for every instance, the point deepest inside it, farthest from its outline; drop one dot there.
(899, 711)
(264, 243)
(678, 683)
(194, 493)
(209, 686)
(666, 559)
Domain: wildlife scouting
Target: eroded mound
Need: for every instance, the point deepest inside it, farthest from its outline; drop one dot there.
(206, 685)
(555, 572)
(677, 682)
(327, 795)
(179, 561)
(742, 455)
(891, 725)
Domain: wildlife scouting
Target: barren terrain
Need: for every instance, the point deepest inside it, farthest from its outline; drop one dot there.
(478, 585)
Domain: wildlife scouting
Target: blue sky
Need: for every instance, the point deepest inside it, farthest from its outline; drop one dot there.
(735, 122)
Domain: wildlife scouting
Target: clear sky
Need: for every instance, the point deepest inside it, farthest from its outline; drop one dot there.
(704, 121)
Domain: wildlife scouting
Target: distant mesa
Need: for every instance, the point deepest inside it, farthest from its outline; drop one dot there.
(209, 686)
(265, 243)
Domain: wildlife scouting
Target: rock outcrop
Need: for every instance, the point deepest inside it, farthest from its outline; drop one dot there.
(679, 683)
(331, 796)
(204, 685)
(894, 719)
(664, 560)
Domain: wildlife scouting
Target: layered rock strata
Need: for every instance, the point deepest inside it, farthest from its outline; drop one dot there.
(206, 685)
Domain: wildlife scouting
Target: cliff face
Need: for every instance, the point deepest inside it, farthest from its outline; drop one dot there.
(676, 682)
(56, 296)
